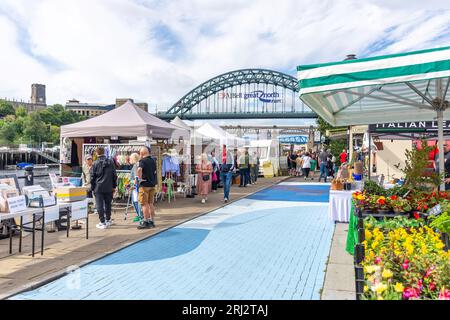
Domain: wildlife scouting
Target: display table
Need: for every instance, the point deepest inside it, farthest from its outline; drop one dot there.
(340, 205)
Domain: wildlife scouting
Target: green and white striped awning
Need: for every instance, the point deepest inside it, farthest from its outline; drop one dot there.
(392, 88)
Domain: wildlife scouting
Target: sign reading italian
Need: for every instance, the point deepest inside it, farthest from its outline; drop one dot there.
(415, 126)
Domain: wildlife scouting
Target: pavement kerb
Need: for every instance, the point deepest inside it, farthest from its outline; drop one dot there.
(62, 273)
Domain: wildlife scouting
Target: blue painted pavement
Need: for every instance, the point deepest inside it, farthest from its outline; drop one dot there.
(270, 245)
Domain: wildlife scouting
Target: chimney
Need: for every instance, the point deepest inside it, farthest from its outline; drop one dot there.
(350, 57)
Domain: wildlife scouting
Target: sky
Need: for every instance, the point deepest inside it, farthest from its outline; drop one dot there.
(156, 51)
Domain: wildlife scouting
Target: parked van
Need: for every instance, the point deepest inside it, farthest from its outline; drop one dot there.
(268, 150)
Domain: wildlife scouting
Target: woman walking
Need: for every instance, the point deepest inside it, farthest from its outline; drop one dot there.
(306, 166)
(204, 170)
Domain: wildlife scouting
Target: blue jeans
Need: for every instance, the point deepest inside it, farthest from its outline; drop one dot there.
(323, 171)
(225, 177)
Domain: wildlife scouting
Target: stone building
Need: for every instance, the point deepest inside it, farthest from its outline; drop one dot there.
(95, 109)
(38, 99)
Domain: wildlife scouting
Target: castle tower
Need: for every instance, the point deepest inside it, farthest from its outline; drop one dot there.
(38, 94)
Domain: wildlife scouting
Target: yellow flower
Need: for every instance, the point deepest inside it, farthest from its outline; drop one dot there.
(379, 288)
(440, 245)
(366, 288)
(369, 269)
(360, 197)
(368, 234)
(380, 298)
(374, 245)
(398, 287)
(387, 274)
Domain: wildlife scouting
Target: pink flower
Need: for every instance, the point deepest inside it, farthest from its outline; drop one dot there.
(377, 260)
(419, 284)
(444, 294)
(429, 271)
(409, 293)
(405, 266)
(432, 286)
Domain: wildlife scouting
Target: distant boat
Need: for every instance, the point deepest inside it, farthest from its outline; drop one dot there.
(23, 165)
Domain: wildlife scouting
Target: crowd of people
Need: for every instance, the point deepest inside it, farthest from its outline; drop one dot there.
(213, 171)
(100, 178)
(304, 163)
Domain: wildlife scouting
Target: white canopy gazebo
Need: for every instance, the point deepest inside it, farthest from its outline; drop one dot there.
(393, 88)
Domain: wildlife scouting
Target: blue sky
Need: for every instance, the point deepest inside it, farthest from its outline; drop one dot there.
(156, 51)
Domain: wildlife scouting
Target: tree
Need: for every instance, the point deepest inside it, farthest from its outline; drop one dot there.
(6, 108)
(21, 112)
(8, 132)
(35, 128)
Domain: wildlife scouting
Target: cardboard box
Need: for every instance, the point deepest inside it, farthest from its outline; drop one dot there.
(70, 194)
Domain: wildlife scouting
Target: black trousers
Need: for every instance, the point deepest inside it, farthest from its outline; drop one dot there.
(103, 201)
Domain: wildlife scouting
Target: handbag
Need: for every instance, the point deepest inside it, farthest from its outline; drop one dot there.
(205, 177)
(214, 177)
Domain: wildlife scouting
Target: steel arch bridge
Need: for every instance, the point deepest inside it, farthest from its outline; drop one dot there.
(242, 94)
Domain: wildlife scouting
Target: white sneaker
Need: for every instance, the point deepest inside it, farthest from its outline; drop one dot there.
(225, 200)
(203, 201)
(109, 223)
(101, 225)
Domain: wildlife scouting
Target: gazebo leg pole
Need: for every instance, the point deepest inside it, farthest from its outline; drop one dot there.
(440, 120)
(370, 154)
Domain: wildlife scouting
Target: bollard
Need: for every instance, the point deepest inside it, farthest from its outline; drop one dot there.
(29, 176)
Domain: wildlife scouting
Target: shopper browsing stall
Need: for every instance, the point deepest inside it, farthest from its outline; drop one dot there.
(306, 165)
(86, 174)
(147, 175)
(103, 184)
(204, 170)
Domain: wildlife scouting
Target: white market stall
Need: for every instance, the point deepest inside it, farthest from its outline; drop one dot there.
(122, 131)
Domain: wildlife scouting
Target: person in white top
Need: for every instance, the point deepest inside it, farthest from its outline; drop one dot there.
(306, 165)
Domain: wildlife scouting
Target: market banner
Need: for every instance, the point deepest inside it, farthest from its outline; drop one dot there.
(414, 126)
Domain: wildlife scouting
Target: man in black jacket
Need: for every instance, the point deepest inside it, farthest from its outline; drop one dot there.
(103, 184)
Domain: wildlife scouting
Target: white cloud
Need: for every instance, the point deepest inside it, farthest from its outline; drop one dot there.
(156, 51)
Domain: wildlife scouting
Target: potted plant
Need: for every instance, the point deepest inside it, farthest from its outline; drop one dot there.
(399, 205)
(382, 205)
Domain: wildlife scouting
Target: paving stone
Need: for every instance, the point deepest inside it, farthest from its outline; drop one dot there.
(338, 295)
(215, 257)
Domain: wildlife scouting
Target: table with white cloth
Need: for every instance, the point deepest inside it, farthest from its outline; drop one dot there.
(340, 205)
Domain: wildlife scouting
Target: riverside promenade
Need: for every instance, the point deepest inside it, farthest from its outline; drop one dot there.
(275, 236)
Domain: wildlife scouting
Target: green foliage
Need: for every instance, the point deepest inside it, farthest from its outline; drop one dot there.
(442, 222)
(415, 169)
(392, 223)
(373, 188)
(35, 129)
(21, 112)
(39, 126)
(323, 126)
(336, 147)
(7, 132)
(6, 109)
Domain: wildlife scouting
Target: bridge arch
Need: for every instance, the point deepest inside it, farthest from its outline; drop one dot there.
(240, 78)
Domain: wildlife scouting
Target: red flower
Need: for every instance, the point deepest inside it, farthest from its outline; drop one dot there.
(411, 293)
(416, 216)
(432, 286)
(425, 207)
(394, 197)
(381, 201)
(377, 260)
